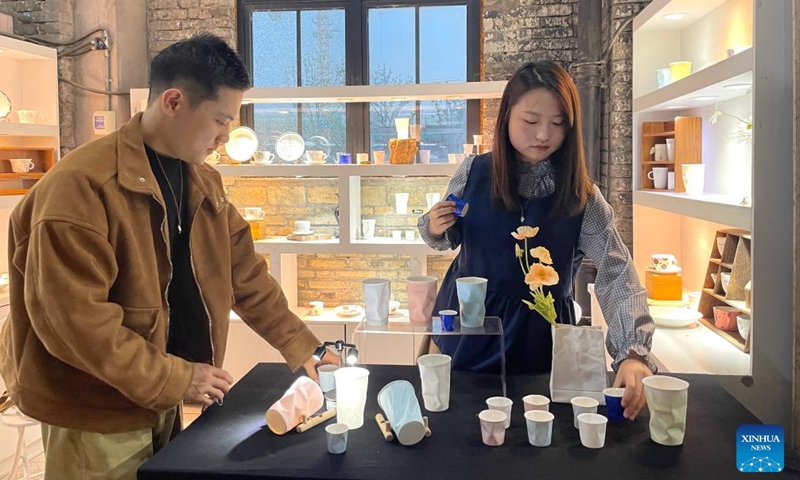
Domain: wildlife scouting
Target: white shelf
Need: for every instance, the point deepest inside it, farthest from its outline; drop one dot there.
(28, 130)
(698, 350)
(723, 209)
(377, 93)
(21, 50)
(651, 18)
(280, 245)
(334, 171)
(709, 82)
(9, 201)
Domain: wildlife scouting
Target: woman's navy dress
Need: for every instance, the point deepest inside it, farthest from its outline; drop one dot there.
(487, 250)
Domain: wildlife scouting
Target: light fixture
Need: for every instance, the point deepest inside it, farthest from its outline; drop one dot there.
(320, 352)
(352, 356)
(677, 107)
(242, 144)
(703, 98)
(739, 86)
(455, 97)
(399, 99)
(283, 112)
(675, 16)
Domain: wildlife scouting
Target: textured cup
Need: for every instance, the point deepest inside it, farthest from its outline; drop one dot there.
(434, 372)
(421, 298)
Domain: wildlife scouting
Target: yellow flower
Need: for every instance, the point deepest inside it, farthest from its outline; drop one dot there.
(542, 254)
(541, 275)
(517, 251)
(524, 232)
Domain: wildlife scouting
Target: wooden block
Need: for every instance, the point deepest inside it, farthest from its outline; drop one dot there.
(309, 238)
(664, 286)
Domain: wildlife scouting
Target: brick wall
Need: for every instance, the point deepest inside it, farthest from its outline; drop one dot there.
(171, 20)
(52, 20)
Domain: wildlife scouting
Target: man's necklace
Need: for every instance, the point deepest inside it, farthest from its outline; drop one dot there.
(178, 203)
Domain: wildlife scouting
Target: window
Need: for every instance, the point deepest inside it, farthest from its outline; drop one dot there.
(360, 42)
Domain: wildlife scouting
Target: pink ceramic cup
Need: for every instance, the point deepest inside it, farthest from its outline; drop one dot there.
(421, 298)
(300, 401)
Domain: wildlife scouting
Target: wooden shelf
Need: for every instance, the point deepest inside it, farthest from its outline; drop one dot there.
(670, 133)
(21, 176)
(658, 162)
(687, 135)
(13, 191)
(737, 304)
(733, 337)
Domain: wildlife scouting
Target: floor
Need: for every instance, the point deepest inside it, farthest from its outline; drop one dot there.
(36, 464)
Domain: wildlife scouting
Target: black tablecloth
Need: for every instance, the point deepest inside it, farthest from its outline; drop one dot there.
(232, 440)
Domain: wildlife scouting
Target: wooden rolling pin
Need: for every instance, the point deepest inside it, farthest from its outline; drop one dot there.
(312, 422)
(386, 429)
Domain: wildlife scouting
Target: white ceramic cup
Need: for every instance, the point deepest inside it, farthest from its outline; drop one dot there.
(540, 427)
(326, 380)
(493, 430)
(410, 235)
(536, 402)
(424, 156)
(667, 399)
(368, 228)
(337, 437)
(401, 124)
(254, 213)
(377, 293)
(397, 235)
(379, 156)
(671, 149)
(315, 308)
(302, 226)
(592, 428)
(21, 165)
(213, 158)
(583, 405)
(670, 180)
(659, 176)
(432, 199)
(503, 404)
(362, 158)
(452, 158)
(468, 148)
(263, 157)
(401, 203)
(434, 372)
(351, 395)
(663, 261)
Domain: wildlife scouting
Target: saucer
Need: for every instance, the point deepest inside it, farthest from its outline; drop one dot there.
(348, 310)
(305, 232)
(666, 270)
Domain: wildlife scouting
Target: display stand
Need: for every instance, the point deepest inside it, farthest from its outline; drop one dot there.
(492, 326)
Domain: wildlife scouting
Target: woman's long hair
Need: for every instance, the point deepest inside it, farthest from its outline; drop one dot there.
(573, 185)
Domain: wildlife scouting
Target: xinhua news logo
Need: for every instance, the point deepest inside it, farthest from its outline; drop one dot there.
(759, 448)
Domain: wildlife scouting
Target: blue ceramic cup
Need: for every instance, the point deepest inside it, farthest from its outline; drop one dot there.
(614, 404)
(461, 205)
(447, 317)
(345, 158)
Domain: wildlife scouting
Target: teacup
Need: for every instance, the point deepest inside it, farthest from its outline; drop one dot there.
(315, 308)
(316, 156)
(29, 116)
(663, 261)
(213, 158)
(254, 213)
(21, 165)
(302, 226)
(263, 157)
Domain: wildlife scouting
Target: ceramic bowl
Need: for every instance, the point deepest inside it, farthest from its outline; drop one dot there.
(674, 317)
(726, 279)
(743, 324)
(725, 318)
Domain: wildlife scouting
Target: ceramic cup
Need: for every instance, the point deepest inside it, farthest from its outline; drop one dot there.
(401, 203)
(614, 407)
(351, 395)
(21, 165)
(337, 437)
(447, 318)
(461, 206)
(263, 157)
(29, 116)
(670, 180)
(302, 226)
(414, 131)
(659, 177)
(503, 404)
(303, 398)
(540, 427)
(671, 149)
(663, 261)
(421, 292)
(493, 431)
(344, 158)
(424, 156)
(326, 380)
(667, 399)
(583, 405)
(592, 428)
(213, 158)
(663, 77)
(362, 158)
(399, 401)
(377, 293)
(315, 308)
(368, 228)
(316, 156)
(693, 178)
(379, 156)
(536, 402)
(254, 213)
(432, 199)
(660, 152)
(401, 124)
(471, 301)
(434, 372)
(679, 70)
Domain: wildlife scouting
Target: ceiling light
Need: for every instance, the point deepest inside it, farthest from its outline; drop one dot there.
(703, 98)
(399, 99)
(677, 107)
(283, 112)
(454, 97)
(675, 16)
(739, 86)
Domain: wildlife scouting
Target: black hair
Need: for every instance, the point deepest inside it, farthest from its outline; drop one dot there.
(199, 67)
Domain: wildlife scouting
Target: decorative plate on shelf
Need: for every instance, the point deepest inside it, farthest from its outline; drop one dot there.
(242, 144)
(290, 146)
(348, 310)
(5, 105)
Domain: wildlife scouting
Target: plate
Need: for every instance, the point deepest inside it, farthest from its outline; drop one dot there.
(290, 146)
(674, 317)
(307, 232)
(348, 310)
(5, 105)
(242, 144)
(667, 270)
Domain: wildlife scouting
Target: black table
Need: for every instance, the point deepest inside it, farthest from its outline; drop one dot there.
(232, 440)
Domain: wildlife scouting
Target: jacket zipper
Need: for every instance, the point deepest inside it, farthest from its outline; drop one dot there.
(169, 259)
(199, 289)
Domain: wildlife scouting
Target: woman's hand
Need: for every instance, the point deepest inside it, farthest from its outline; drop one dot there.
(441, 218)
(630, 375)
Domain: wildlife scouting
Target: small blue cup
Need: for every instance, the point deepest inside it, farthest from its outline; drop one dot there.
(614, 407)
(447, 317)
(345, 158)
(461, 205)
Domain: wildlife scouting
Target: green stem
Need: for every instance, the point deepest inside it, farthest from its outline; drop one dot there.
(525, 254)
(522, 267)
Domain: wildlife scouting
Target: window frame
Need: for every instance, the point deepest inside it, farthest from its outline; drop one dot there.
(357, 53)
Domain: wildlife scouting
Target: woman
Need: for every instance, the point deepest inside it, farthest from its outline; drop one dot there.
(536, 176)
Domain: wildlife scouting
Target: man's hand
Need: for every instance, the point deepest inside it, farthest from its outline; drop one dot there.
(209, 384)
(630, 375)
(311, 365)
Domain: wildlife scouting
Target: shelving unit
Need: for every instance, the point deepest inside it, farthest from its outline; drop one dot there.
(736, 260)
(741, 179)
(687, 133)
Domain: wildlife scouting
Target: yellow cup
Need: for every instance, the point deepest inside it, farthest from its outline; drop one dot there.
(679, 70)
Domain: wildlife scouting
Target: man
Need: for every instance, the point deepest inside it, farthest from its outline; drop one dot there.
(125, 261)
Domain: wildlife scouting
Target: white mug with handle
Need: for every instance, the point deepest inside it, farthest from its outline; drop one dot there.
(21, 165)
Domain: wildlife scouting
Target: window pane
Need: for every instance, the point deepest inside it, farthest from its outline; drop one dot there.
(381, 123)
(273, 120)
(443, 44)
(444, 127)
(324, 128)
(392, 46)
(322, 47)
(275, 49)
